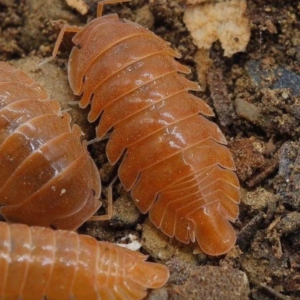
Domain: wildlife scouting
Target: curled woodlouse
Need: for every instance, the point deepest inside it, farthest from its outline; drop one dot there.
(47, 177)
(37, 262)
(172, 158)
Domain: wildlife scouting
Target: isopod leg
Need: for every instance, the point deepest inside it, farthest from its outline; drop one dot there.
(97, 140)
(60, 37)
(102, 3)
(109, 205)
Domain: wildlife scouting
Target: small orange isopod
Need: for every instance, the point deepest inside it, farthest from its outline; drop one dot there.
(47, 177)
(40, 263)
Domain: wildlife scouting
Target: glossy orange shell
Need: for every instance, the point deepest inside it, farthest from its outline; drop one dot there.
(47, 177)
(173, 159)
(37, 262)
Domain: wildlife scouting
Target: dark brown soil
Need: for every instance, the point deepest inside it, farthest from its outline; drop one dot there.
(256, 98)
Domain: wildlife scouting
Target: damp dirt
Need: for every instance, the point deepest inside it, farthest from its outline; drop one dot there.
(255, 95)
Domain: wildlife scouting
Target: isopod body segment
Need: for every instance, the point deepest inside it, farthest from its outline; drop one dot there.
(37, 262)
(173, 160)
(47, 177)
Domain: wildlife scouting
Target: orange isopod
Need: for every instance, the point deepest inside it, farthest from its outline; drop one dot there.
(38, 262)
(47, 177)
(173, 160)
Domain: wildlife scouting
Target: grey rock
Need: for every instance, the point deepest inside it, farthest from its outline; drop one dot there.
(279, 78)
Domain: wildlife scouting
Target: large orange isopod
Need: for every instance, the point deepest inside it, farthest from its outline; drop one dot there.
(173, 160)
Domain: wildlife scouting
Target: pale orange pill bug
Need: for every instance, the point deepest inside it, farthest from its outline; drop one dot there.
(40, 263)
(47, 177)
(173, 160)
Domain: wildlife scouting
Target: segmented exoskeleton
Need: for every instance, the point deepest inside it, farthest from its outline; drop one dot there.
(37, 262)
(47, 176)
(173, 160)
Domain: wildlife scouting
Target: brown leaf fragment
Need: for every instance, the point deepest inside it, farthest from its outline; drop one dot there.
(222, 103)
(266, 170)
(203, 62)
(246, 235)
(248, 157)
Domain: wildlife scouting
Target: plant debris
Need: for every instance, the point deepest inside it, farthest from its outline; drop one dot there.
(225, 21)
